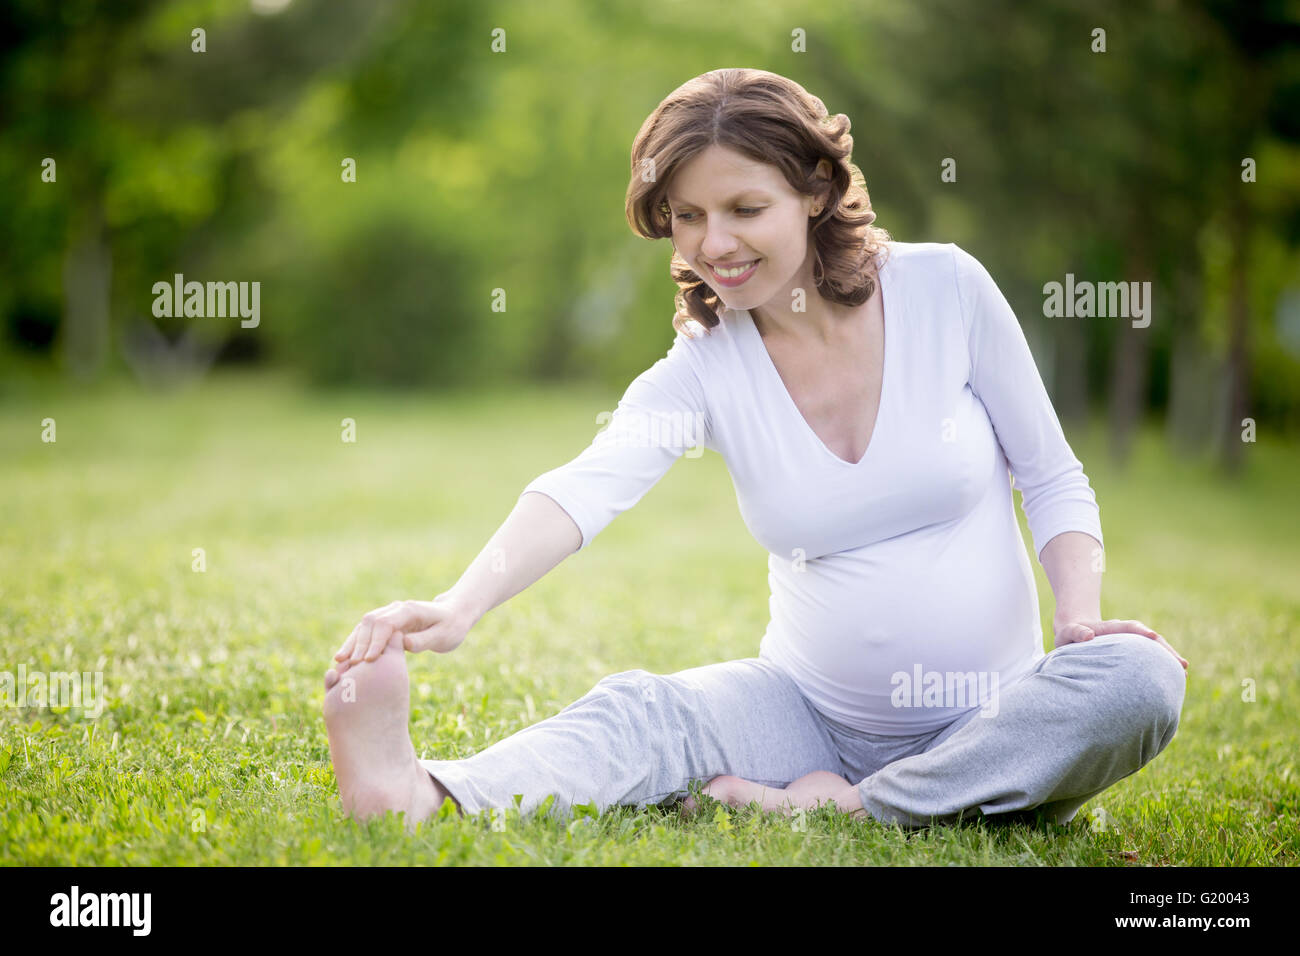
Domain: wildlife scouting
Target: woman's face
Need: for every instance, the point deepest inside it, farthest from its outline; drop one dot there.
(728, 210)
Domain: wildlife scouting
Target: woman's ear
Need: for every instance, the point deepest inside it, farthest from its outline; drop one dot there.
(823, 174)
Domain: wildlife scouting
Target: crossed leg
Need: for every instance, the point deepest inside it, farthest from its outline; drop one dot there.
(1087, 715)
(635, 738)
(638, 738)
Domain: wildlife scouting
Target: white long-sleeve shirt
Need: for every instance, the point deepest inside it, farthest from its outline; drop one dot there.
(906, 565)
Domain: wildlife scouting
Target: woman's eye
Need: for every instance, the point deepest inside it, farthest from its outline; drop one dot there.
(746, 210)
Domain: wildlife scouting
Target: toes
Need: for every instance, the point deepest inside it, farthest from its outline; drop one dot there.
(335, 673)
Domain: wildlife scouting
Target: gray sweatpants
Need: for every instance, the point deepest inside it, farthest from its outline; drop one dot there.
(1085, 716)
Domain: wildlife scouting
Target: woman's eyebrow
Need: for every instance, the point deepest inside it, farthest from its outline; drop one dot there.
(752, 193)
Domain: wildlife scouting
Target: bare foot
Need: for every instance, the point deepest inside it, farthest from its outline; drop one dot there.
(822, 786)
(337, 671)
(735, 792)
(367, 713)
(809, 791)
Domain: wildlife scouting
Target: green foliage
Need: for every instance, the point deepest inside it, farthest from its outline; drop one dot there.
(386, 307)
(480, 171)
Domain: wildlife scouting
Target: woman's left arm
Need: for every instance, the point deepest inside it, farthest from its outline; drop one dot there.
(1059, 503)
(1074, 564)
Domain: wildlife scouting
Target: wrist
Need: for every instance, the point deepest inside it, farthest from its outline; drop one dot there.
(1060, 619)
(467, 610)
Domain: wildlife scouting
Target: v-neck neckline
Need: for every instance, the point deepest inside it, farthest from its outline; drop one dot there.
(890, 341)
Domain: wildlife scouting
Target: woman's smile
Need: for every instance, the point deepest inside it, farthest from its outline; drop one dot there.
(736, 275)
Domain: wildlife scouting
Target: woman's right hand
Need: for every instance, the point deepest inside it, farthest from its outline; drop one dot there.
(438, 625)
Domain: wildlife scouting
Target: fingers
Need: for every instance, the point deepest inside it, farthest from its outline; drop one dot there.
(377, 636)
(412, 624)
(1179, 657)
(373, 641)
(1137, 627)
(360, 645)
(345, 652)
(1132, 627)
(358, 642)
(437, 625)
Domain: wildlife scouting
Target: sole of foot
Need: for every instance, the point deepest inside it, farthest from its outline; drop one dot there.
(367, 716)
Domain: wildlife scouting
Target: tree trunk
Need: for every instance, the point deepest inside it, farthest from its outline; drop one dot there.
(1193, 415)
(1238, 360)
(1129, 368)
(1070, 381)
(87, 282)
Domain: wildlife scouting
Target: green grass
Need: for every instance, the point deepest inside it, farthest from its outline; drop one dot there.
(211, 749)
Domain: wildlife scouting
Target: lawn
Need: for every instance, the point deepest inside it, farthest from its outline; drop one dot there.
(210, 748)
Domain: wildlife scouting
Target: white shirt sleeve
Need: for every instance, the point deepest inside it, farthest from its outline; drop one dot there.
(1055, 492)
(662, 415)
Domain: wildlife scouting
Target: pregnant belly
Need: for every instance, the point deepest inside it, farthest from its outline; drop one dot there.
(870, 624)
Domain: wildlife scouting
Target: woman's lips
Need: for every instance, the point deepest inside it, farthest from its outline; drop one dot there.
(738, 280)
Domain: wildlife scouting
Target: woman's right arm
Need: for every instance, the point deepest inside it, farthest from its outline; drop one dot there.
(536, 536)
(662, 414)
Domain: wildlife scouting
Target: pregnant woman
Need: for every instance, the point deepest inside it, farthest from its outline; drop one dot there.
(873, 402)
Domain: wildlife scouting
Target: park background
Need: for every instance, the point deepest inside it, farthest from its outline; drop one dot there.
(1171, 157)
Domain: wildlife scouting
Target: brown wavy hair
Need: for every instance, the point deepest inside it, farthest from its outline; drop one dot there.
(772, 120)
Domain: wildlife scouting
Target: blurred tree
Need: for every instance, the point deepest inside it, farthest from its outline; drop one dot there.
(483, 238)
(1253, 65)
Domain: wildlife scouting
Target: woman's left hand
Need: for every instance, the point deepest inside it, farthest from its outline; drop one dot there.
(1077, 631)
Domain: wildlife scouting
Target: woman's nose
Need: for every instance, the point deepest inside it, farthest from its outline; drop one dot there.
(718, 244)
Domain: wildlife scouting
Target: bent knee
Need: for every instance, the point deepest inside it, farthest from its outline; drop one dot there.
(638, 680)
(1153, 680)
